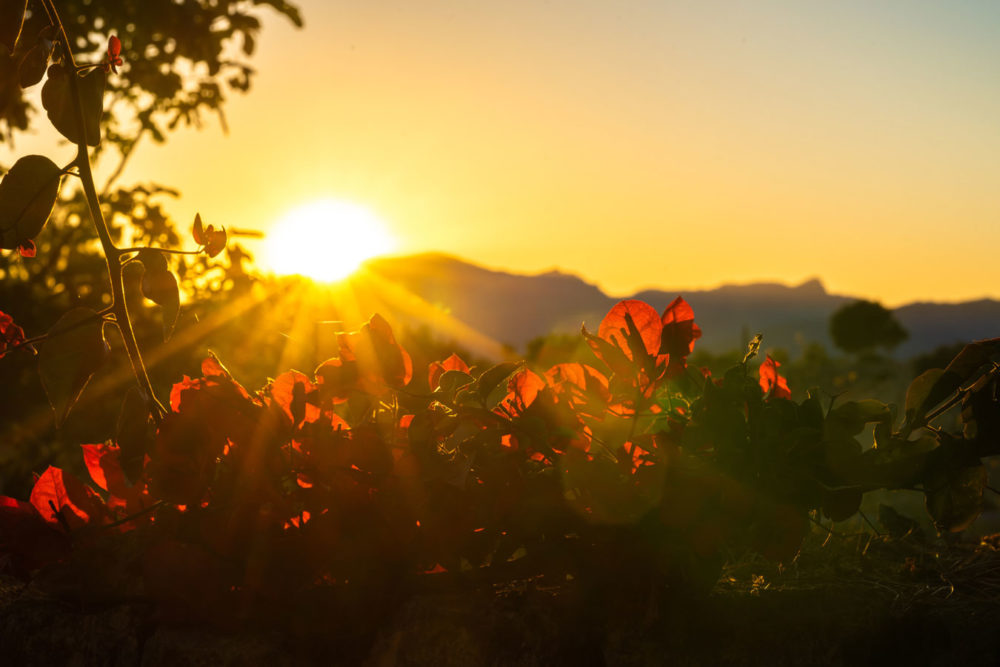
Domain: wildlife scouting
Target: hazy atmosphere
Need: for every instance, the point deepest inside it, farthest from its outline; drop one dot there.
(700, 142)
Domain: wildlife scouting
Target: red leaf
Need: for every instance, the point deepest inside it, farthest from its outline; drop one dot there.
(215, 240)
(26, 248)
(381, 361)
(616, 330)
(437, 369)
(770, 381)
(104, 465)
(679, 334)
(56, 491)
(523, 388)
(10, 333)
(198, 230)
(289, 391)
(114, 54)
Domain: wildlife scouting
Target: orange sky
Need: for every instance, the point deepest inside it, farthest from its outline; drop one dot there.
(680, 144)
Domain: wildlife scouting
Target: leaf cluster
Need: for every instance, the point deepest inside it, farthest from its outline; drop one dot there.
(348, 476)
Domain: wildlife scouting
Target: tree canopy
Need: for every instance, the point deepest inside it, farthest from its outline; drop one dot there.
(865, 325)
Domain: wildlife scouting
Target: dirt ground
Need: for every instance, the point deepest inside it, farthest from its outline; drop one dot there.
(861, 602)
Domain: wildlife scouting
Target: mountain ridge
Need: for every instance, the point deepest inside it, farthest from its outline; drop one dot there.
(513, 308)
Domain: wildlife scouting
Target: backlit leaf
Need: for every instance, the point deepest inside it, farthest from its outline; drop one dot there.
(27, 194)
(771, 381)
(10, 333)
(160, 286)
(103, 462)
(59, 102)
(74, 350)
(57, 493)
(615, 328)
(437, 368)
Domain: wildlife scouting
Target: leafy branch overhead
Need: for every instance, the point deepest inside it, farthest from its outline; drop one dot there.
(151, 96)
(73, 96)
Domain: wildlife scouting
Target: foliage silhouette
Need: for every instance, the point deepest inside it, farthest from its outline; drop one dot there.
(865, 325)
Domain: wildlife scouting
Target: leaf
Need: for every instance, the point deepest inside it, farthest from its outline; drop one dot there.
(55, 491)
(289, 391)
(896, 524)
(104, 465)
(955, 498)
(492, 377)
(918, 392)
(841, 504)
(160, 286)
(27, 540)
(451, 381)
(960, 370)
(437, 368)
(646, 324)
(679, 334)
(74, 350)
(59, 102)
(32, 66)
(11, 20)
(771, 381)
(134, 433)
(10, 333)
(27, 194)
(850, 418)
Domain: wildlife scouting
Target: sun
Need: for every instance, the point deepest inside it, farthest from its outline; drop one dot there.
(325, 240)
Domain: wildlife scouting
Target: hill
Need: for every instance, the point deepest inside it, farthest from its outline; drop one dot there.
(513, 308)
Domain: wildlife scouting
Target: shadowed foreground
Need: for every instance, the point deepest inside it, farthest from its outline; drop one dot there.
(895, 603)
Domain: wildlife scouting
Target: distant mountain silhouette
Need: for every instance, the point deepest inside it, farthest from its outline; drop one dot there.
(513, 308)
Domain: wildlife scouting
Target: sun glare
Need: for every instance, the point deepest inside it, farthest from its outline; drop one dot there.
(325, 240)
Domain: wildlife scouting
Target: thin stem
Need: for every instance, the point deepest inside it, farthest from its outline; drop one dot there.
(39, 338)
(111, 253)
(166, 251)
(146, 510)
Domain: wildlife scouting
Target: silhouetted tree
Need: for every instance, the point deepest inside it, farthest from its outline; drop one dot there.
(865, 325)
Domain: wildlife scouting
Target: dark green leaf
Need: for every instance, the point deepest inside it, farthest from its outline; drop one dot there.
(11, 20)
(160, 286)
(850, 418)
(917, 393)
(842, 457)
(955, 497)
(841, 504)
(896, 524)
(493, 378)
(32, 67)
(960, 370)
(27, 194)
(451, 381)
(74, 350)
(59, 102)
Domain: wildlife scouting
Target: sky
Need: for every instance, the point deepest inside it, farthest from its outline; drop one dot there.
(637, 144)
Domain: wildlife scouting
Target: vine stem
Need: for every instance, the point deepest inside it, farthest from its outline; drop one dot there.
(165, 251)
(112, 254)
